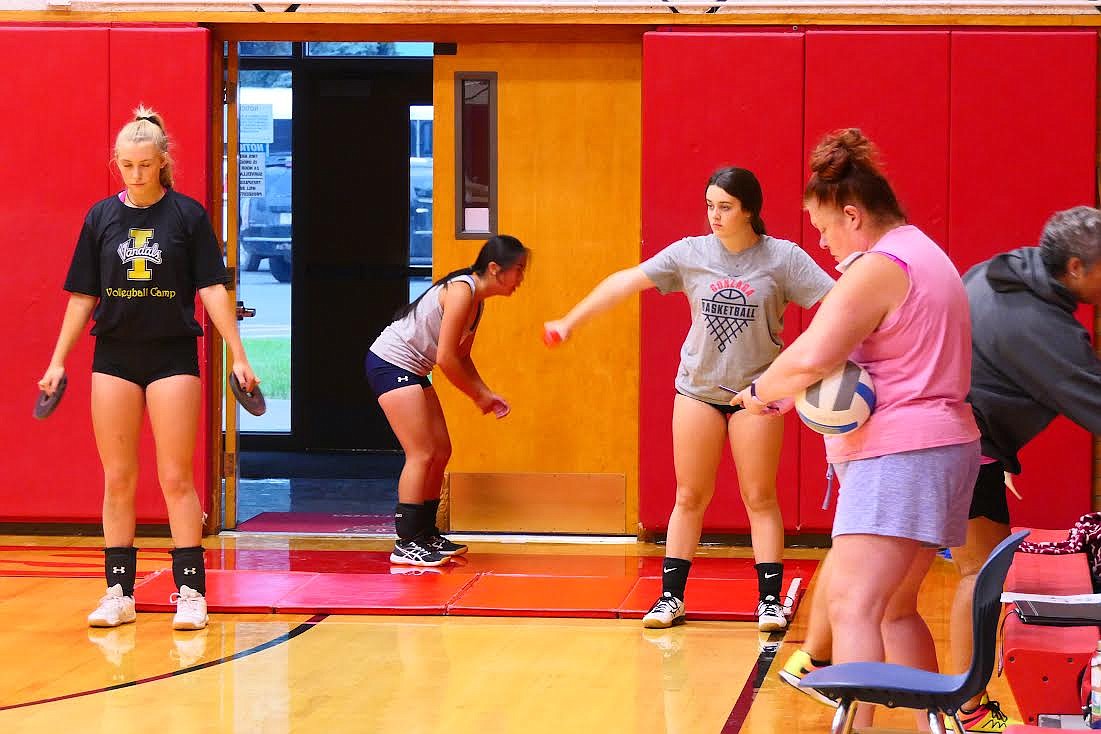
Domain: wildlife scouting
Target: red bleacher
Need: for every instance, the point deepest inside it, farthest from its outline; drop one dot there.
(1043, 664)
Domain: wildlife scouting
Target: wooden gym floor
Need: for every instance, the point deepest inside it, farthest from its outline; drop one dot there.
(278, 674)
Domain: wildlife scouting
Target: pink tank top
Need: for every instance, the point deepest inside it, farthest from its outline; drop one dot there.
(919, 359)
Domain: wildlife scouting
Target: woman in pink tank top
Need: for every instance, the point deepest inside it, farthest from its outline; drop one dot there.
(900, 311)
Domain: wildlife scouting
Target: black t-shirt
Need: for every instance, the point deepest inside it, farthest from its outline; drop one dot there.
(145, 265)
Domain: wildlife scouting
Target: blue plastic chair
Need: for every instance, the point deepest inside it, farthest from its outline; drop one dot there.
(900, 686)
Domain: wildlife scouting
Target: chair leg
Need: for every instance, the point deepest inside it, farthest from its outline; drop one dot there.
(935, 725)
(956, 720)
(844, 717)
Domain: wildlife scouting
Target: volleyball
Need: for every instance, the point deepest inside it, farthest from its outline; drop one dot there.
(840, 402)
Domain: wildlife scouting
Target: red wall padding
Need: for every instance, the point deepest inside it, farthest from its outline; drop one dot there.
(710, 99)
(906, 114)
(67, 92)
(52, 106)
(178, 87)
(995, 133)
(1023, 145)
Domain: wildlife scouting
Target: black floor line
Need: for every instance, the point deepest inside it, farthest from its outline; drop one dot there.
(307, 625)
(753, 684)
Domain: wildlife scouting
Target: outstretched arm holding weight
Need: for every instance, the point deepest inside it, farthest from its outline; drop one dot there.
(612, 290)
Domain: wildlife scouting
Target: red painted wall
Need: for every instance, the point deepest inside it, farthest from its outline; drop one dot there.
(67, 92)
(906, 114)
(709, 100)
(1023, 147)
(980, 146)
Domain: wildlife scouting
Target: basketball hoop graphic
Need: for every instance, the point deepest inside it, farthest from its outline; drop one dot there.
(727, 314)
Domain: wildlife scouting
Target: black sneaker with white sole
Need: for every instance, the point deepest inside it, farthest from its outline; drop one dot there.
(445, 547)
(416, 552)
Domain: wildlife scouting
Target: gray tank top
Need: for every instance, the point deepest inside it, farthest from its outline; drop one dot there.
(411, 341)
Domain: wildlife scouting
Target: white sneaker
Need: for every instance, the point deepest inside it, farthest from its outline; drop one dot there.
(114, 609)
(770, 615)
(667, 611)
(190, 609)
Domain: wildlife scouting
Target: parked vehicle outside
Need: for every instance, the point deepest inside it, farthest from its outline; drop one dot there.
(266, 222)
(420, 211)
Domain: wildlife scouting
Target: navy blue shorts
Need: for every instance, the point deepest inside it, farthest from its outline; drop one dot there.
(145, 362)
(384, 377)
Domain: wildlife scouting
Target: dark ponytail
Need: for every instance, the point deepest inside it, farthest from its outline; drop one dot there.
(502, 249)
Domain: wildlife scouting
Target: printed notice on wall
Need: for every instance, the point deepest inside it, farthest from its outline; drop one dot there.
(250, 165)
(255, 123)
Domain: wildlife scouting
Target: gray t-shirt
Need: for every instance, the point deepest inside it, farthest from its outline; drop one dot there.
(737, 303)
(411, 342)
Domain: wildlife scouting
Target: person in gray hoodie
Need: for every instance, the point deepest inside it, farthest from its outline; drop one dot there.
(1031, 361)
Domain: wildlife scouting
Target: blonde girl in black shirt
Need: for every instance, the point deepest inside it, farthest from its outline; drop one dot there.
(141, 257)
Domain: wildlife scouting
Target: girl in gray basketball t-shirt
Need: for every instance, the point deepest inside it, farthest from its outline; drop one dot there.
(738, 282)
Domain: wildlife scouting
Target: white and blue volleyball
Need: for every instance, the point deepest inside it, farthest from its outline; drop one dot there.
(841, 402)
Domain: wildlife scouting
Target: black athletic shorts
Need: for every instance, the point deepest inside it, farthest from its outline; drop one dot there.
(145, 362)
(989, 499)
(723, 408)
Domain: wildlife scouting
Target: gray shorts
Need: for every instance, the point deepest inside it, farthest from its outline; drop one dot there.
(923, 495)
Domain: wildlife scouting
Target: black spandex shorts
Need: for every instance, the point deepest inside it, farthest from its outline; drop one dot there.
(383, 376)
(724, 409)
(145, 362)
(989, 499)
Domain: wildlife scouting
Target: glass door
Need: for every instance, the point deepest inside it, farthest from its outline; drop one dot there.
(265, 129)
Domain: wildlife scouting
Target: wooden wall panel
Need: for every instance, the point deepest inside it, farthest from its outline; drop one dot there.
(552, 503)
(568, 173)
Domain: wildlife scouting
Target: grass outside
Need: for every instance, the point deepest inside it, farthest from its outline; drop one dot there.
(271, 361)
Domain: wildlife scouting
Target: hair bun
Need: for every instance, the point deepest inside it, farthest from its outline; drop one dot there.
(839, 151)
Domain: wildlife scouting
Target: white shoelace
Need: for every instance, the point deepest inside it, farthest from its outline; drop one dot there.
(191, 605)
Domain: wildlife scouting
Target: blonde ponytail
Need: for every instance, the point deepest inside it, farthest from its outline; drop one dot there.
(148, 127)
